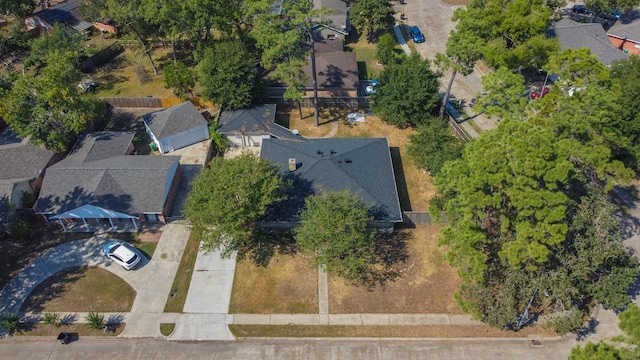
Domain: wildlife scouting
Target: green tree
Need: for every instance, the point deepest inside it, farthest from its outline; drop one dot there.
(179, 78)
(61, 38)
(599, 351)
(504, 95)
(20, 8)
(227, 74)
(229, 197)
(433, 144)
(371, 16)
(527, 212)
(50, 107)
(335, 229)
(627, 119)
(630, 323)
(385, 49)
(408, 92)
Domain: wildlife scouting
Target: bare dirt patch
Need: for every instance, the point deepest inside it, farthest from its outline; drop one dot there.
(81, 289)
(425, 286)
(287, 284)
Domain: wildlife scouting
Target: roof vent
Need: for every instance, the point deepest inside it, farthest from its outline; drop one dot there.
(319, 152)
(332, 151)
(347, 160)
(292, 164)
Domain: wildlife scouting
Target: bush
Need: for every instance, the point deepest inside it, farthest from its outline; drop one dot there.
(95, 320)
(51, 318)
(10, 322)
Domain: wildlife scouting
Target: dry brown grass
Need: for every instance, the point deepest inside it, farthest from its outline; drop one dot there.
(415, 186)
(426, 284)
(81, 289)
(425, 331)
(287, 284)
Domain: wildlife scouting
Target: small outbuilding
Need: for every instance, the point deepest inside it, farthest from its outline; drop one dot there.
(176, 127)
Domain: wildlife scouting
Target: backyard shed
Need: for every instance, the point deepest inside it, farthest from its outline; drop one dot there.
(176, 127)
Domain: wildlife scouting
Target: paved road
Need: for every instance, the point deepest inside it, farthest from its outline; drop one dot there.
(97, 349)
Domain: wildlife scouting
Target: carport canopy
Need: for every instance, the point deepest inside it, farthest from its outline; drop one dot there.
(93, 212)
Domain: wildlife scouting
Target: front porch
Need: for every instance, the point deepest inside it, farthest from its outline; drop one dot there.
(89, 218)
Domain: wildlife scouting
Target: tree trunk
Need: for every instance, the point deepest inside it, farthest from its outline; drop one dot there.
(447, 94)
(300, 108)
(315, 81)
(173, 45)
(147, 52)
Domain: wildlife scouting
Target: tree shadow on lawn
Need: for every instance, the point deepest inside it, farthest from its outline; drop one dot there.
(268, 244)
(52, 288)
(390, 251)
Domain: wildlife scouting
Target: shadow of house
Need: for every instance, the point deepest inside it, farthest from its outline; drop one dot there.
(360, 165)
(575, 35)
(22, 169)
(625, 33)
(176, 127)
(99, 185)
(248, 127)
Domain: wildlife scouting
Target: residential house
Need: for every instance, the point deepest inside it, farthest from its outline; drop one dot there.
(22, 169)
(65, 13)
(625, 33)
(101, 185)
(360, 165)
(176, 127)
(248, 127)
(334, 25)
(575, 35)
(336, 70)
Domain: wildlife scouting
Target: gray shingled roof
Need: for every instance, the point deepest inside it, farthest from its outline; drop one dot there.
(256, 120)
(125, 183)
(335, 69)
(174, 120)
(338, 20)
(575, 35)
(20, 159)
(627, 26)
(100, 145)
(361, 165)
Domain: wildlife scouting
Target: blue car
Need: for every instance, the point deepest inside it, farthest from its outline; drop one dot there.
(417, 35)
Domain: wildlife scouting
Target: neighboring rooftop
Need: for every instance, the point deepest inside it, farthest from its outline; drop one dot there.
(360, 165)
(20, 159)
(256, 120)
(100, 145)
(65, 13)
(335, 67)
(628, 26)
(174, 120)
(575, 35)
(338, 19)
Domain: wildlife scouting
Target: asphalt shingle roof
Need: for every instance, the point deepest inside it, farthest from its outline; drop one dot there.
(100, 145)
(335, 67)
(256, 120)
(360, 165)
(174, 120)
(19, 159)
(575, 35)
(627, 26)
(126, 183)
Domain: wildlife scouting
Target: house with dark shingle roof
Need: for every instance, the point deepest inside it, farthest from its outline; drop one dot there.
(336, 70)
(176, 127)
(575, 35)
(249, 126)
(362, 166)
(334, 25)
(625, 33)
(100, 185)
(22, 167)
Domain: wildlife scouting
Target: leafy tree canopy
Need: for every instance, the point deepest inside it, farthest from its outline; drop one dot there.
(61, 38)
(20, 8)
(227, 74)
(335, 228)
(505, 95)
(408, 93)
(229, 197)
(433, 145)
(371, 16)
(179, 78)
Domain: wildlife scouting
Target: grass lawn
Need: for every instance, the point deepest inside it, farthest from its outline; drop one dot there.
(180, 287)
(81, 289)
(426, 331)
(286, 285)
(425, 286)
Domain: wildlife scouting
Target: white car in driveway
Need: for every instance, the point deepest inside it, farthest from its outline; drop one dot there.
(122, 254)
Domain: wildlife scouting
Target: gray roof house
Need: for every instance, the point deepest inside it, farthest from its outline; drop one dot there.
(335, 25)
(575, 35)
(625, 33)
(22, 167)
(100, 185)
(248, 127)
(176, 127)
(360, 165)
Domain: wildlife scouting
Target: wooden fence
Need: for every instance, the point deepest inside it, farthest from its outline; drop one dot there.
(155, 102)
(336, 102)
